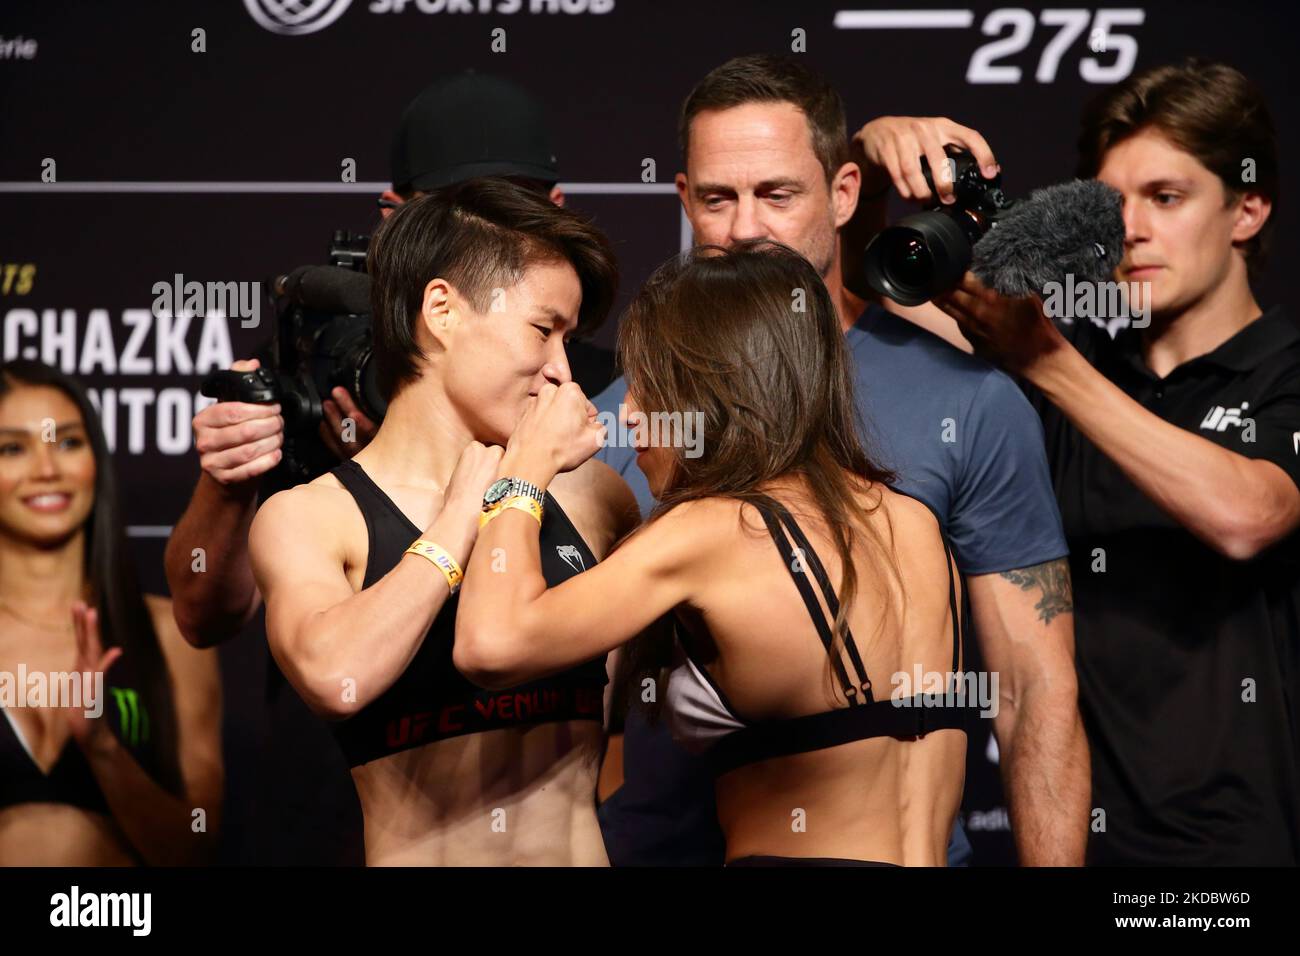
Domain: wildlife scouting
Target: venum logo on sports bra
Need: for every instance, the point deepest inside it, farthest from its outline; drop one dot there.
(490, 710)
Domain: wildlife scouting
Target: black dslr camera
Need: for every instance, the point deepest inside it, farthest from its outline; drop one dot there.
(322, 339)
(926, 254)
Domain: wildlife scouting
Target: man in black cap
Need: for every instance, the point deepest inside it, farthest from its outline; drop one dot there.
(472, 125)
(467, 126)
(464, 127)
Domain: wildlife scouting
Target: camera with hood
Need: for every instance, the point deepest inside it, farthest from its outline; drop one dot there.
(926, 254)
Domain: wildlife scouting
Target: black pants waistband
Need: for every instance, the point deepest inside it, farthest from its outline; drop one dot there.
(802, 861)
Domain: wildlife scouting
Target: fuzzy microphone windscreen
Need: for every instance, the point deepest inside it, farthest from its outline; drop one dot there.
(1074, 228)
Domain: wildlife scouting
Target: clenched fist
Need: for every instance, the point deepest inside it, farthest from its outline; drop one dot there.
(475, 471)
(558, 431)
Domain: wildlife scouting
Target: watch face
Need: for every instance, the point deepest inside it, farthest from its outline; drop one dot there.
(496, 491)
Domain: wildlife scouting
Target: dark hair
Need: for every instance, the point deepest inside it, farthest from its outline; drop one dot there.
(124, 619)
(767, 78)
(1207, 109)
(749, 337)
(544, 187)
(478, 235)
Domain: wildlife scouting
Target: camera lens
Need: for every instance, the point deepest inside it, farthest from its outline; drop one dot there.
(920, 257)
(909, 263)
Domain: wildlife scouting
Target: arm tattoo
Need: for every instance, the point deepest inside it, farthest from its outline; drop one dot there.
(1053, 579)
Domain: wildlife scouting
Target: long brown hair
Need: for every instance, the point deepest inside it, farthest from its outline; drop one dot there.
(124, 618)
(749, 337)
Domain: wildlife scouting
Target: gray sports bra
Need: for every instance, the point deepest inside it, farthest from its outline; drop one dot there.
(704, 721)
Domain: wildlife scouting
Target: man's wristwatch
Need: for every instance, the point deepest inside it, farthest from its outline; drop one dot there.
(504, 488)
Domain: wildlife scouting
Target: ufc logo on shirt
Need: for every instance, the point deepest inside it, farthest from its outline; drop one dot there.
(1218, 418)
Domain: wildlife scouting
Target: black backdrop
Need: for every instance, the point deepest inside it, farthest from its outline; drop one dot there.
(226, 164)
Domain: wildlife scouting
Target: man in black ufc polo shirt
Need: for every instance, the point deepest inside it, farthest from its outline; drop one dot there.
(1188, 661)
(1175, 451)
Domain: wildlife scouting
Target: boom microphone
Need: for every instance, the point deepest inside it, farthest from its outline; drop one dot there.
(330, 289)
(1074, 228)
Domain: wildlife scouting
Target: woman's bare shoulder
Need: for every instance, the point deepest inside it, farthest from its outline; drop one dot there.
(906, 508)
(300, 504)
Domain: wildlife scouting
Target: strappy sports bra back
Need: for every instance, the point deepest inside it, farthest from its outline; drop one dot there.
(703, 719)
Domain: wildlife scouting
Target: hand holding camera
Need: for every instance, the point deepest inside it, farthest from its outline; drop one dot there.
(927, 253)
(1072, 230)
(320, 369)
(897, 145)
(239, 441)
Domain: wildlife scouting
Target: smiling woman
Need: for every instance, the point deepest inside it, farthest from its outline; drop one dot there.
(134, 775)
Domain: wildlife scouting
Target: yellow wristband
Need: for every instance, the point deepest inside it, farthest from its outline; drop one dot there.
(441, 559)
(519, 502)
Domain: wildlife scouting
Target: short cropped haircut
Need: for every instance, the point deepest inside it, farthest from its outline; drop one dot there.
(767, 78)
(478, 235)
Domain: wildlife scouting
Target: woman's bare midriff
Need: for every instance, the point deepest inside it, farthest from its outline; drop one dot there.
(880, 799)
(58, 834)
(505, 797)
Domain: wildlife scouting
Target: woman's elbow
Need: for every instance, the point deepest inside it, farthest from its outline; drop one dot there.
(317, 676)
(489, 662)
(329, 695)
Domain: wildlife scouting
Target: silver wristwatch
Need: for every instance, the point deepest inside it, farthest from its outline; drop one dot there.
(504, 488)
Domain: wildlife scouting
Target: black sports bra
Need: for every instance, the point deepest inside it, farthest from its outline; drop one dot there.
(70, 780)
(702, 718)
(432, 700)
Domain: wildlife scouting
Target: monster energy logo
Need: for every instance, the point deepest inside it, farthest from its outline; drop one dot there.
(134, 718)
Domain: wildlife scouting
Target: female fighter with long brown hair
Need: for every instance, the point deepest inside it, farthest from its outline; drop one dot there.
(797, 660)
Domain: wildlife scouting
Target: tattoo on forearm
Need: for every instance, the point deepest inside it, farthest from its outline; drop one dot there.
(1053, 579)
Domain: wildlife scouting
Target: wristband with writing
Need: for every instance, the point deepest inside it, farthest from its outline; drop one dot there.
(519, 502)
(441, 559)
